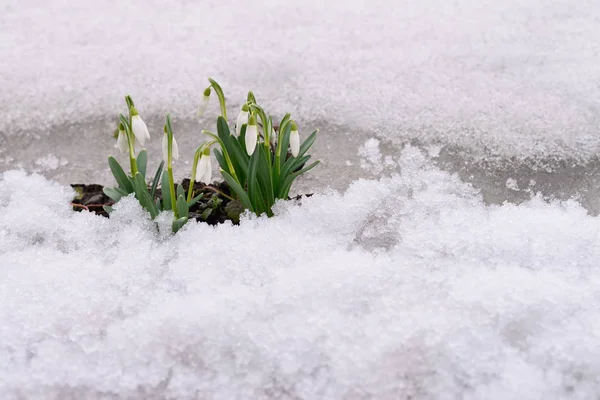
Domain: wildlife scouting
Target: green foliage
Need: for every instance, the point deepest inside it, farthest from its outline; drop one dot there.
(256, 180)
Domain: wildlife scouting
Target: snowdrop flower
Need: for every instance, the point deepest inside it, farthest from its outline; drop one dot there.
(204, 102)
(165, 148)
(242, 119)
(122, 144)
(251, 135)
(138, 126)
(204, 168)
(294, 140)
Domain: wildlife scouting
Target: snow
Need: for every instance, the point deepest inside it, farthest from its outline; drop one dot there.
(404, 286)
(514, 77)
(408, 283)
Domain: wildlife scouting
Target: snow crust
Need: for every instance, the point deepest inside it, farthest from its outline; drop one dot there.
(517, 77)
(403, 287)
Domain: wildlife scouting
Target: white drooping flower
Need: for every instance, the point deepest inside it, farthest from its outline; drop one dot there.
(204, 102)
(165, 148)
(294, 140)
(251, 135)
(204, 168)
(138, 126)
(242, 119)
(122, 144)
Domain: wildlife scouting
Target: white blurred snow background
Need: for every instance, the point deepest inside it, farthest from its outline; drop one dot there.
(458, 258)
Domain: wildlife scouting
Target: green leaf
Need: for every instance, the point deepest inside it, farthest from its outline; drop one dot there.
(120, 176)
(307, 143)
(206, 214)
(142, 160)
(290, 179)
(182, 208)
(195, 200)
(231, 144)
(166, 193)
(108, 209)
(141, 192)
(221, 160)
(239, 191)
(180, 191)
(253, 190)
(292, 164)
(114, 194)
(179, 223)
(264, 180)
(156, 179)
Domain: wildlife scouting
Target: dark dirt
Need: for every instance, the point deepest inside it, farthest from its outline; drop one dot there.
(215, 207)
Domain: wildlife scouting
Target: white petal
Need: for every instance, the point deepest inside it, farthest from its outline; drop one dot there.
(122, 144)
(203, 106)
(295, 143)
(207, 178)
(175, 150)
(140, 130)
(204, 170)
(165, 147)
(251, 138)
(241, 120)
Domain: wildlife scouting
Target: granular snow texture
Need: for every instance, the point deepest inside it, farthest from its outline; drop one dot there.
(403, 287)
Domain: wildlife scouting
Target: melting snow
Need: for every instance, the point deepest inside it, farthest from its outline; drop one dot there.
(402, 287)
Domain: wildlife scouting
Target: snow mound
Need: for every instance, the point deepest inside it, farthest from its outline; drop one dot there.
(402, 287)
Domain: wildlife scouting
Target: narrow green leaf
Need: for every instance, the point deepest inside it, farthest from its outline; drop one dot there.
(114, 194)
(252, 182)
(141, 192)
(292, 164)
(157, 176)
(142, 160)
(221, 160)
(179, 223)
(206, 214)
(307, 143)
(108, 209)
(182, 208)
(166, 193)
(290, 179)
(120, 176)
(264, 180)
(195, 200)
(180, 191)
(239, 191)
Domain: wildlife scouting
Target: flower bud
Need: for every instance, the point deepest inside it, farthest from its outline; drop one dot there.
(138, 126)
(204, 168)
(122, 144)
(294, 140)
(204, 102)
(251, 135)
(242, 119)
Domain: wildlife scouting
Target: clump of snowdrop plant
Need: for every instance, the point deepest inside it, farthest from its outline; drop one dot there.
(253, 158)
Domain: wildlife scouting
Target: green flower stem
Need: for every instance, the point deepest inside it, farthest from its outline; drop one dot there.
(172, 185)
(265, 124)
(219, 192)
(170, 166)
(130, 144)
(225, 154)
(221, 96)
